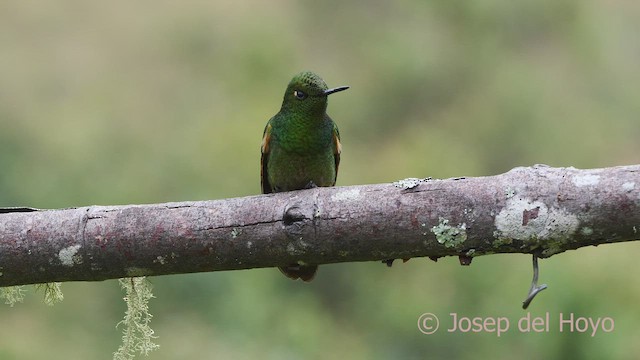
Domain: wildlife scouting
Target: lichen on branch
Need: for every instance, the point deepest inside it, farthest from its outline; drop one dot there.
(137, 335)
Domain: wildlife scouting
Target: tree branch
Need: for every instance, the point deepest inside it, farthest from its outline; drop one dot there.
(538, 210)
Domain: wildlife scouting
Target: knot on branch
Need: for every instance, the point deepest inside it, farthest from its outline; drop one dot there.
(296, 219)
(293, 215)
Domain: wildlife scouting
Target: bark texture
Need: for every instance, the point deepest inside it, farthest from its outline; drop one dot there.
(539, 210)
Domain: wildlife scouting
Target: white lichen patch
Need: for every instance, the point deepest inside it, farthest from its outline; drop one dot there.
(449, 236)
(510, 224)
(69, 256)
(525, 219)
(628, 186)
(586, 180)
(160, 260)
(346, 195)
(235, 232)
(509, 192)
(408, 183)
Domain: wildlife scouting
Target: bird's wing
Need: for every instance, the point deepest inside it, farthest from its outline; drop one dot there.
(264, 159)
(337, 149)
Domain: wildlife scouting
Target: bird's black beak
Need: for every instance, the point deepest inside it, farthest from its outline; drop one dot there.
(335, 90)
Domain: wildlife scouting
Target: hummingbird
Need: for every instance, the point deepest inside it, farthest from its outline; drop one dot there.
(301, 147)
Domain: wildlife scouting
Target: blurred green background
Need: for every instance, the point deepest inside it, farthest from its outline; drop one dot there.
(154, 101)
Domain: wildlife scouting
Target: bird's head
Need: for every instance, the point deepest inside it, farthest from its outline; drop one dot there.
(307, 92)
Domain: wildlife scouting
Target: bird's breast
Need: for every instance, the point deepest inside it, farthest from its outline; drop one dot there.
(293, 170)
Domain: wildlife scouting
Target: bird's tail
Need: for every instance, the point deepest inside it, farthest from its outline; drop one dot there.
(302, 272)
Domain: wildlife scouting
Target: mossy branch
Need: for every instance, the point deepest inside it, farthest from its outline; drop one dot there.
(538, 210)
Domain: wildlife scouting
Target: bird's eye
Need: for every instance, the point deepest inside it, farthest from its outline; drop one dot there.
(299, 95)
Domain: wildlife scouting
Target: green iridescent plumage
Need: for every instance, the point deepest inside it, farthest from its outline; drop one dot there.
(301, 146)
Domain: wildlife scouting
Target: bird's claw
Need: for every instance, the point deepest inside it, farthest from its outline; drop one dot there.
(310, 185)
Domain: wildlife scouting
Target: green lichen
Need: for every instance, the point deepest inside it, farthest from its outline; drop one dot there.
(52, 292)
(553, 246)
(15, 294)
(235, 232)
(501, 241)
(137, 335)
(12, 294)
(449, 236)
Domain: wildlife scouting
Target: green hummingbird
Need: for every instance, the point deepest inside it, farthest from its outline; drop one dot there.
(301, 147)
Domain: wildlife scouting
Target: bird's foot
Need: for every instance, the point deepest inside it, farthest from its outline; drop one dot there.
(310, 185)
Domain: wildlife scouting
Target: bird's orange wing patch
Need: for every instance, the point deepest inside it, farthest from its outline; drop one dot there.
(337, 149)
(264, 159)
(266, 137)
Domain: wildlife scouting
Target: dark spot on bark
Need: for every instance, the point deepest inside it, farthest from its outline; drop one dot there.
(528, 215)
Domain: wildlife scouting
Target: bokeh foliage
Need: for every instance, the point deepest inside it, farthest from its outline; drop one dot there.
(145, 102)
